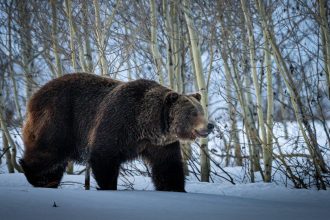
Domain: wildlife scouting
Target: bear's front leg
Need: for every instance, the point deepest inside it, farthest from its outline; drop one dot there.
(105, 169)
(167, 167)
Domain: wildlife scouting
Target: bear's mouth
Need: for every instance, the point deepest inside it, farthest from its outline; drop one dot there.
(201, 133)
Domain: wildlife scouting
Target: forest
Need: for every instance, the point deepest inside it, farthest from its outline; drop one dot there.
(262, 68)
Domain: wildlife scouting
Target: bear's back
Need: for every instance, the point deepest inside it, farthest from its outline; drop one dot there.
(70, 88)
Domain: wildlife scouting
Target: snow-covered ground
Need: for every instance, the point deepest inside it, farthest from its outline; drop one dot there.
(219, 200)
(19, 200)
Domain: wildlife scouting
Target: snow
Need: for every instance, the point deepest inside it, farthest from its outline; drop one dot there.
(136, 198)
(19, 200)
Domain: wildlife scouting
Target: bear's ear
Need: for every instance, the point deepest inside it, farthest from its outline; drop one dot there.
(197, 96)
(171, 97)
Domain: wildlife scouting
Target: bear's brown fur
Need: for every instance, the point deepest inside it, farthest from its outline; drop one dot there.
(87, 118)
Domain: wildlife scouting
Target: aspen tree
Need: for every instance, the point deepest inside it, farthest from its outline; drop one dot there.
(252, 131)
(298, 107)
(249, 27)
(5, 144)
(283, 111)
(230, 99)
(154, 42)
(243, 103)
(129, 66)
(6, 149)
(10, 64)
(87, 46)
(26, 46)
(197, 61)
(68, 4)
(325, 36)
(54, 38)
(169, 44)
(100, 39)
(73, 27)
(13, 148)
(268, 147)
(174, 64)
(176, 42)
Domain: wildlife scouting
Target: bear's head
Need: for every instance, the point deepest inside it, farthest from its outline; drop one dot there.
(184, 116)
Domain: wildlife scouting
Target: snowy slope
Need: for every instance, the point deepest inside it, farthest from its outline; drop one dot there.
(18, 200)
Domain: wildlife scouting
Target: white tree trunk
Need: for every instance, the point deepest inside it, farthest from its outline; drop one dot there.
(26, 47)
(100, 39)
(10, 65)
(87, 46)
(169, 45)
(325, 32)
(8, 138)
(249, 27)
(54, 38)
(268, 148)
(68, 4)
(197, 60)
(154, 42)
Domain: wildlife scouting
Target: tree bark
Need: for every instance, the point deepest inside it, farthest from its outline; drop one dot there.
(154, 45)
(87, 46)
(6, 149)
(325, 33)
(100, 39)
(26, 46)
(169, 45)
(252, 130)
(59, 70)
(68, 4)
(233, 120)
(268, 150)
(10, 65)
(81, 56)
(8, 138)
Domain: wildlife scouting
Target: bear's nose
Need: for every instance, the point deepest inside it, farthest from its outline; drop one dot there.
(210, 127)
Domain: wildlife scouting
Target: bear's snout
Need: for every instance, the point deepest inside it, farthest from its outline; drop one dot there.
(204, 131)
(210, 127)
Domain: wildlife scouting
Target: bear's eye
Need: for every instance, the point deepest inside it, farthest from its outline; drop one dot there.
(194, 114)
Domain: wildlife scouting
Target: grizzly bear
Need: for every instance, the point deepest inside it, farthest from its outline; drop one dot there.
(86, 118)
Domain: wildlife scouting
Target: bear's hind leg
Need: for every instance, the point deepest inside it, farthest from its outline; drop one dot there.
(105, 170)
(167, 167)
